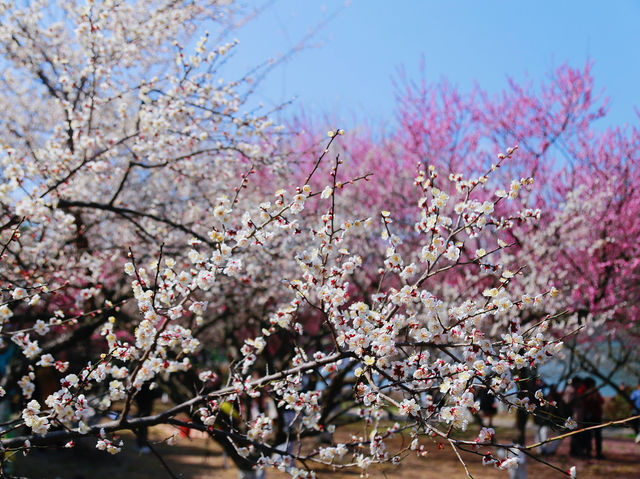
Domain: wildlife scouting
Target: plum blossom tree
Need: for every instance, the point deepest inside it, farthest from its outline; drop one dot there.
(590, 247)
(155, 235)
(585, 239)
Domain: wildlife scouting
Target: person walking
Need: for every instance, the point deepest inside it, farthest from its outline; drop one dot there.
(593, 406)
(574, 398)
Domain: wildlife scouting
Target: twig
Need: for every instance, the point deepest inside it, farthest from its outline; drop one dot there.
(12, 237)
(578, 431)
(161, 459)
(455, 449)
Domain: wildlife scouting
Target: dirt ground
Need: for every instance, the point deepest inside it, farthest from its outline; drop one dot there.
(200, 458)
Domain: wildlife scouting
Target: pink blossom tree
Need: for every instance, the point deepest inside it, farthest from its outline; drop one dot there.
(585, 239)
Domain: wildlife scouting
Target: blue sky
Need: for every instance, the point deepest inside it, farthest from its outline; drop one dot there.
(348, 68)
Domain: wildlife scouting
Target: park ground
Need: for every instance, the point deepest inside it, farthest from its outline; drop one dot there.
(198, 458)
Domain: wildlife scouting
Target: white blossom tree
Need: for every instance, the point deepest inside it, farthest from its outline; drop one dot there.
(154, 236)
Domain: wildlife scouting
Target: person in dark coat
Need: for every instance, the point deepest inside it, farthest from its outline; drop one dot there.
(488, 406)
(144, 400)
(593, 406)
(574, 398)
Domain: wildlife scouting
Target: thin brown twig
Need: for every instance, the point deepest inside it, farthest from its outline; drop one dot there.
(578, 431)
(455, 449)
(12, 237)
(161, 459)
